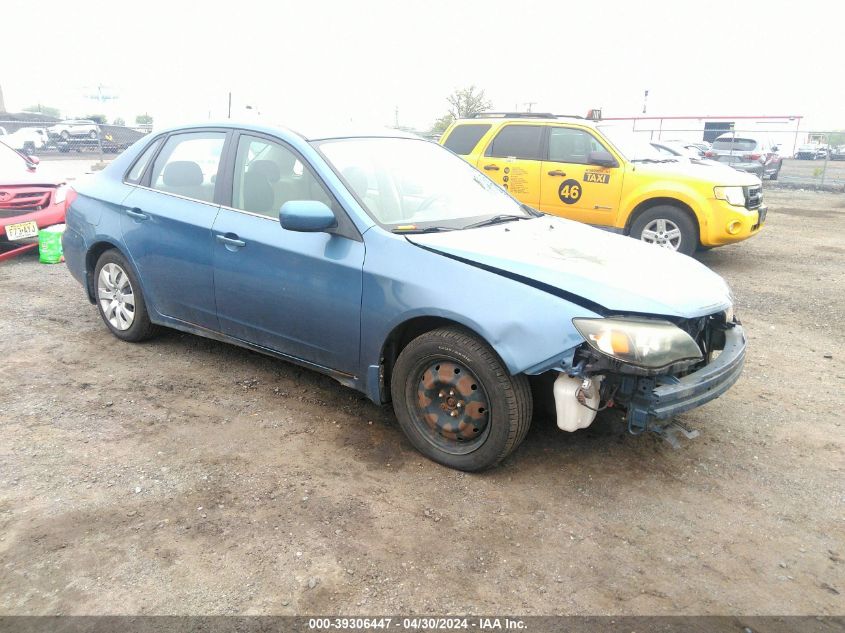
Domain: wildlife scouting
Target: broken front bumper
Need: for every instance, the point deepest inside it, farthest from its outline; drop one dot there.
(664, 397)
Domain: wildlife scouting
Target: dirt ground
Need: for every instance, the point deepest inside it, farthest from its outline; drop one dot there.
(809, 173)
(185, 476)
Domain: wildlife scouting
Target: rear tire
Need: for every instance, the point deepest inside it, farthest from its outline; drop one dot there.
(774, 176)
(120, 300)
(659, 225)
(456, 401)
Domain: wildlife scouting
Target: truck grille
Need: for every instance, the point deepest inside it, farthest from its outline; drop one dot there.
(753, 196)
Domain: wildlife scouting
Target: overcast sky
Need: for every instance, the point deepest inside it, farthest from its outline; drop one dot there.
(358, 60)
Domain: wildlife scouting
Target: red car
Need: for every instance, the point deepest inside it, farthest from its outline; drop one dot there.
(28, 202)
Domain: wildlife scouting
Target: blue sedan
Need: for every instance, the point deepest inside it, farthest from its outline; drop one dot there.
(388, 263)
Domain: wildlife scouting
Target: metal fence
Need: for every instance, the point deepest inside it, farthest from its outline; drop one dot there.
(47, 137)
(808, 159)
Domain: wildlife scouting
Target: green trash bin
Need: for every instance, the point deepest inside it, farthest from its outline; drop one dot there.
(50, 244)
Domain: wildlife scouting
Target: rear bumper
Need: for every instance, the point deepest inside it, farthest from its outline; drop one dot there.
(675, 396)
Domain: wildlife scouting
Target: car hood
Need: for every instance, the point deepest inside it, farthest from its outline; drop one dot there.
(705, 171)
(618, 273)
(28, 179)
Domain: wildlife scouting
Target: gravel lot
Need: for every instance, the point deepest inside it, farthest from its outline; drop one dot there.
(185, 476)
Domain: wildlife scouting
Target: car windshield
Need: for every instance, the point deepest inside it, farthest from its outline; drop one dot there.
(412, 184)
(10, 160)
(635, 147)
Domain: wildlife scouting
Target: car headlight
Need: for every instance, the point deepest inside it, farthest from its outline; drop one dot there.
(648, 343)
(60, 194)
(732, 195)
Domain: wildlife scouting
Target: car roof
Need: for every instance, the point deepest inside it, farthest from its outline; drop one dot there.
(525, 117)
(308, 133)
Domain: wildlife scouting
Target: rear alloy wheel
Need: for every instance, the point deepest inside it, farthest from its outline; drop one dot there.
(456, 401)
(119, 299)
(92, 135)
(667, 227)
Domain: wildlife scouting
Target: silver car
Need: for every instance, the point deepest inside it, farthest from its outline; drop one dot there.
(751, 153)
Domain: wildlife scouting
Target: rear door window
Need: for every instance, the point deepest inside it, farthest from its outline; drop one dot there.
(187, 165)
(464, 138)
(137, 172)
(517, 141)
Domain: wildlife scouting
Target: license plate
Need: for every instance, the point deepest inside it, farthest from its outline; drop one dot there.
(22, 231)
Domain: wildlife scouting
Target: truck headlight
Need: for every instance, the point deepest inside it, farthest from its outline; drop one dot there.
(731, 195)
(648, 343)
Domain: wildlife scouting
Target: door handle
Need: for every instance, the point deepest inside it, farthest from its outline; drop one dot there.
(557, 172)
(491, 167)
(136, 214)
(230, 241)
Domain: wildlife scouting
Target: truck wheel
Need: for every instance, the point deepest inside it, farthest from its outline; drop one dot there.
(92, 135)
(668, 227)
(774, 175)
(65, 135)
(456, 401)
(119, 299)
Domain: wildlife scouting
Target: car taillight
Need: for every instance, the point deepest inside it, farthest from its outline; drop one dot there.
(709, 154)
(751, 157)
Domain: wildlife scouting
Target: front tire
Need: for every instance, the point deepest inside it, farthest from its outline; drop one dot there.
(456, 401)
(668, 227)
(119, 299)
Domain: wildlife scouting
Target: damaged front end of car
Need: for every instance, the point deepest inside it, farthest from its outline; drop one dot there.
(653, 368)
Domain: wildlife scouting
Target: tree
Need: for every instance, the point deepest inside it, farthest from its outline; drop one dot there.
(836, 138)
(99, 119)
(42, 109)
(441, 124)
(466, 102)
(143, 119)
(462, 103)
(118, 121)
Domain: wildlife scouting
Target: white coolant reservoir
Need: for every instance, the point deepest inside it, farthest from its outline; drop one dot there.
(571, 414)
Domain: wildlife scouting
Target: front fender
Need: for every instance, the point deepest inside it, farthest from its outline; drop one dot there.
(668, 189)
(530, 329)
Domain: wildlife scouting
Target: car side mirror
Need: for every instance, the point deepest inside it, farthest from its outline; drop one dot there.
(602, 158)
(306, 216)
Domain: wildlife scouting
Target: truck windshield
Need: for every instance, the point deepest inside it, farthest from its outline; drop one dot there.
(412, 184)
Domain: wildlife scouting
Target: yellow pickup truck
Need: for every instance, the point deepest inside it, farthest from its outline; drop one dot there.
(609, 177)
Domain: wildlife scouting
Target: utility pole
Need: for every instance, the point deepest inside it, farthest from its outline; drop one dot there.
(529, 105)
(396, 117)
(229, 116)
(645, 101)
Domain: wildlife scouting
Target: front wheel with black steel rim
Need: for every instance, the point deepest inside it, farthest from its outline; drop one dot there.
(457, 402)
(119, 298)
(667, 227)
